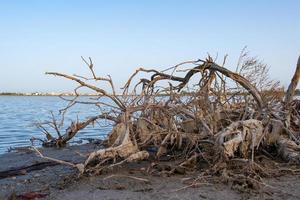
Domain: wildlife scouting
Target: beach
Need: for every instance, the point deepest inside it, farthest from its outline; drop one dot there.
(38, 178)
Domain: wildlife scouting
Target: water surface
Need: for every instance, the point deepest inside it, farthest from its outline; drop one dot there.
(19, 113)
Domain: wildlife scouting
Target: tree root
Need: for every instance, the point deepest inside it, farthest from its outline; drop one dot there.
(210, 121)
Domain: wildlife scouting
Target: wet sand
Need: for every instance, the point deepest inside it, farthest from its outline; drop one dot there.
(54, 181)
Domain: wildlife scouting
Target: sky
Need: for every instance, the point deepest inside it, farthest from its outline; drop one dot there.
(38, 36)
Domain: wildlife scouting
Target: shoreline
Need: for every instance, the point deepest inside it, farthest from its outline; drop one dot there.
(129, 181)
(46, 95)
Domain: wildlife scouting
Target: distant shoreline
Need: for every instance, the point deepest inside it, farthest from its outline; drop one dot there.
(53, 95)
(43, 94)
(39, 94)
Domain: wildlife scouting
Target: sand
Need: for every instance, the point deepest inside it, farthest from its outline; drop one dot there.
(54, 181)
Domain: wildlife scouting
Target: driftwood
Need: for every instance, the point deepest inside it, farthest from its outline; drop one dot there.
(294, 82)
(242, 136)
(25, 169)
(221, 117)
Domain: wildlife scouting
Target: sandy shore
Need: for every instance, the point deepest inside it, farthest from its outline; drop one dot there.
(42, 179)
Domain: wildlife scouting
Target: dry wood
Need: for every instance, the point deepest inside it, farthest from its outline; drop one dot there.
(169, 115)
(294, 82)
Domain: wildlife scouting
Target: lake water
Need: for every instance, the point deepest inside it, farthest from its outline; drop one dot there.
(19, 113)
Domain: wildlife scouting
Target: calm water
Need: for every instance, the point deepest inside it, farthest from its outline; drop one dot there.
(18, 114)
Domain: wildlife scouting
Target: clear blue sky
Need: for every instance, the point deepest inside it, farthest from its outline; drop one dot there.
(38, 36)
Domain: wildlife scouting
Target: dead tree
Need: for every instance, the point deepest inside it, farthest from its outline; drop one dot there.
(207, 121)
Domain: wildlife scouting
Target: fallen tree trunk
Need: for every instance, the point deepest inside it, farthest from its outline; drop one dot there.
(25, 169)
